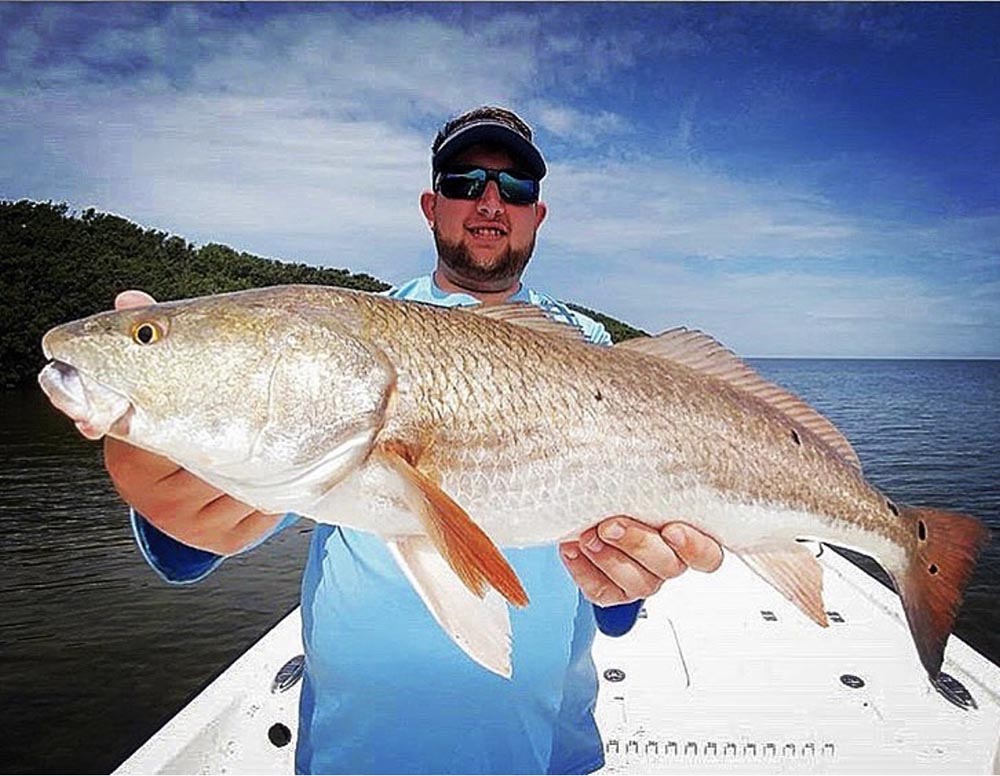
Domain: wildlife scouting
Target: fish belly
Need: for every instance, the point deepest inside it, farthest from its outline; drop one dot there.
(528, 519)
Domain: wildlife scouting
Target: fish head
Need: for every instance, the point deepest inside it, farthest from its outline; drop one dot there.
(237, 385)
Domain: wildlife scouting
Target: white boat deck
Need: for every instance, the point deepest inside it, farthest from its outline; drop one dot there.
(721, 674)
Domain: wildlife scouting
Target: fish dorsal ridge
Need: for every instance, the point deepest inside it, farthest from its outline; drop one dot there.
(706, 355)
(529, 316)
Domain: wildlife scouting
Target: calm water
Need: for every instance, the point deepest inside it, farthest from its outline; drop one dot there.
(97, 653)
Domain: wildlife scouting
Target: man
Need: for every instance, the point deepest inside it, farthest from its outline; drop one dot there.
(384, 689)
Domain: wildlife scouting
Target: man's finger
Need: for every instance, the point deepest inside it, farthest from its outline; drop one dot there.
(626, 572)
(593, 582)
(125, 460)
(698, 550)
(133, 298)
(643, 545)
(251, 528)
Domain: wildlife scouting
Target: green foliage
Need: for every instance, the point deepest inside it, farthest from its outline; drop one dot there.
(617, 329)
(57, 266)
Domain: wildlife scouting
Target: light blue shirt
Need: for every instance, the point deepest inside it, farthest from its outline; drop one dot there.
(385, 690)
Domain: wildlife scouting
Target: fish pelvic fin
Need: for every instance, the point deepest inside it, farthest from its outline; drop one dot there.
(932, 585)
(793, 571)
(464, 545)
(706, 355)
(479, 626)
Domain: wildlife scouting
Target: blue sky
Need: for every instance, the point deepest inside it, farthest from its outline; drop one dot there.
(797, 179)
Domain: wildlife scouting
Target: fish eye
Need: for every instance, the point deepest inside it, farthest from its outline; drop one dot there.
(146, 333)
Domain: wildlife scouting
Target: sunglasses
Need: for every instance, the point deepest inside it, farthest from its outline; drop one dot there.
(471, 183)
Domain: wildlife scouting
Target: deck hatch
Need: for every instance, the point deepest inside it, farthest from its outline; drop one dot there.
(614, 674)
(288, 674)
(852, 681)
(954, 691)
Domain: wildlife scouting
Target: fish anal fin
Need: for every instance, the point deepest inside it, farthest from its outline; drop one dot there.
(479, 626)
(792, 569)
(529, 316)
(469, 551)
(702, 353)
(932, 585)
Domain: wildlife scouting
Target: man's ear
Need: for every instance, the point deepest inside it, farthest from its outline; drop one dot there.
(541, 210)
(427, 201)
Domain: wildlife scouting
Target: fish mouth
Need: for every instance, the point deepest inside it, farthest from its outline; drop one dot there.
(94, 408)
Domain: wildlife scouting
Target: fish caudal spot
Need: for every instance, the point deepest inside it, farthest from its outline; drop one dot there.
(598, 395)
(922, 530)
(895, 510)
(933, 568)
(795, 437)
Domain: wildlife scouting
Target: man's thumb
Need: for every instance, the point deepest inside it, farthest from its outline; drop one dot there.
(133, 298)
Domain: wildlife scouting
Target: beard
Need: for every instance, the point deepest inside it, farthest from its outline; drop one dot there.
(501, 271)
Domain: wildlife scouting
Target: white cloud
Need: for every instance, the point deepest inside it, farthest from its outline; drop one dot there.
(768, 268)
(586, 128)
(296, 138)
(650, 206)
(306, 135)
(788, 313)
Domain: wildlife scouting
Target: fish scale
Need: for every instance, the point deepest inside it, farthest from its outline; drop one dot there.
(553, 407)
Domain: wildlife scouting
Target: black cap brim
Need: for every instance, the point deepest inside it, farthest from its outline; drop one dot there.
(491, 133)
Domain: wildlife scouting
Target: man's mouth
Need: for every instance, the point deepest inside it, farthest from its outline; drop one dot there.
(487, 232)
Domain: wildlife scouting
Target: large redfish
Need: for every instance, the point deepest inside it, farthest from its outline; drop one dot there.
(451, 431)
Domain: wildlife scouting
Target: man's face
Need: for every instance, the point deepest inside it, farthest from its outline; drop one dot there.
(483, 244)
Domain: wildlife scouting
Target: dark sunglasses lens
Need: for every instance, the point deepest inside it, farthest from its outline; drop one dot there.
(470, 184)
(462, 185)
(518, 191)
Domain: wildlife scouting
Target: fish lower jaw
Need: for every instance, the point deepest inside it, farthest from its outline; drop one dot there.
(95, 409)
(117, 427)
(121, 428)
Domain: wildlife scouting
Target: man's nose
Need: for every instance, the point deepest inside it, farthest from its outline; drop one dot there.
(490, 204)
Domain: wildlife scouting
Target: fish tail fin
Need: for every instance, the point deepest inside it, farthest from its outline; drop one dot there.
(941, 561)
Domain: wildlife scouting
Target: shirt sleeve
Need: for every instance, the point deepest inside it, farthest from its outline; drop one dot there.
(179, 563)
(595, 331)
(617, 620)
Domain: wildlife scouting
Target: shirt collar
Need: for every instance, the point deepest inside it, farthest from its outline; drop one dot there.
(439, 294)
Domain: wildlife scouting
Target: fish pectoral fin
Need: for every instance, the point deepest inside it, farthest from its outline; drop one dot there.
(480, 626)
(471, 554)
(793, 570)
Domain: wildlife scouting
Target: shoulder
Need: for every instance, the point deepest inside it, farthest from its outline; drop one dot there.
(593, 330)
(416, 288)
(423, 289)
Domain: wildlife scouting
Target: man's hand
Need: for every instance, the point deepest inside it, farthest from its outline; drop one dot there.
(623, 560)
(174, 500)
